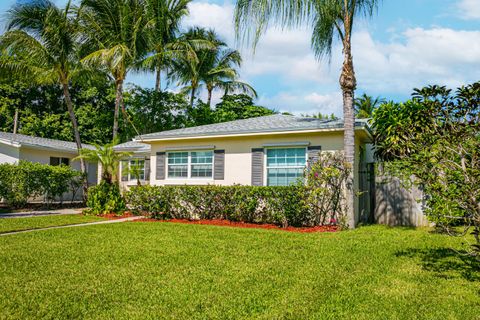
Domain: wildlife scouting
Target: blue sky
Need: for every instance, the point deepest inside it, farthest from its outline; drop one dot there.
(409, 43)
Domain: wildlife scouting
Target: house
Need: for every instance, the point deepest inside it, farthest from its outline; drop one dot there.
(264, 151)
(16, 147)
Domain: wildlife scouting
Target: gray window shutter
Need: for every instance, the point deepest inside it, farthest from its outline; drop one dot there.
(219, 165)
(147, 169)
(313, 154)
(160, 166)
(257, 167)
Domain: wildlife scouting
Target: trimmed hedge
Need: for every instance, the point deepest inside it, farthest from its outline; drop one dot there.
(284, 206)
(25, 180)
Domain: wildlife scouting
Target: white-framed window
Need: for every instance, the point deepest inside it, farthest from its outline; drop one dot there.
(190, 164)
(285, 166)
(133, 169)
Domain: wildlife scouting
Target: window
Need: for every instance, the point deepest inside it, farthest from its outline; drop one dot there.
(285, 166)
(56, 161)
(137, 169)
(194, 164)
(133, 170)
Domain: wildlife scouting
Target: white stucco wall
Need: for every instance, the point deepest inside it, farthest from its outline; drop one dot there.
(8, 153)
(43, 156)
(238, 158)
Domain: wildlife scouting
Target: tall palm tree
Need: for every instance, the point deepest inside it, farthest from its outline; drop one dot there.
(166, 16)
(221, 73)
(214, 66)
(365, 105)
(43, 40)
(329, 19)
(107, 157)
(116, 38)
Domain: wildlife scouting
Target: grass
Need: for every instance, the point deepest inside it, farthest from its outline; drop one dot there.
(18, 224)
(176, 271)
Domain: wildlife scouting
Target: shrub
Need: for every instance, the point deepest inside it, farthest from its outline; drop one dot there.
(105, 198)
(25, 180)
(277, 205)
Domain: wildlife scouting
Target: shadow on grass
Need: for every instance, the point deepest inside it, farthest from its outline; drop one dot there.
(446, 262)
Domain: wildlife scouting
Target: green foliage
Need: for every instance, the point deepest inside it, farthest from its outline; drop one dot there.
(25, 180)
(107, 157)
(277, 205)
(153, 111)
(105, 198)
(318, 202)
(435, 138)
(365, 105)
(42, 112)
(239, 106)
(325, 182)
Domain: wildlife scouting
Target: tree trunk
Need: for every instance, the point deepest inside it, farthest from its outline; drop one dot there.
(192, 96)
(76, 134)
(15, 121)
(348, 85)
(209, 100)
(118, 103)
(158, 79)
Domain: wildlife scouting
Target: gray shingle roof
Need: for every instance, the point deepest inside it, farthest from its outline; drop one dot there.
(43, 143)
(132, 146)
(273, 123)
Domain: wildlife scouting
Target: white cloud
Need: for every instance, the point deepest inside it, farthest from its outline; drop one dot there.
(469, 9)
(424, 56)
(413, 57)
(214, 16)
(309, 103)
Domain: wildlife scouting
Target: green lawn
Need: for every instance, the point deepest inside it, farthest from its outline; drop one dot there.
(17, 224)
(163, 270)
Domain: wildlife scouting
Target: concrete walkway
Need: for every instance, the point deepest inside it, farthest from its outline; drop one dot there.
(40, 213)
(76, 225)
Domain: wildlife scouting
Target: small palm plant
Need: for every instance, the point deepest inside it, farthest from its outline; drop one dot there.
(107, 157)
(137, 170)
(365, 105)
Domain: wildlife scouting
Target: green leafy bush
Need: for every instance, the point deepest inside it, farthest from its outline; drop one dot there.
(318, 201)
(25, 180)
(276, 205)
(105, 198)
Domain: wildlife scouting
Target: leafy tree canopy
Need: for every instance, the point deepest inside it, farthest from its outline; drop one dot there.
(435, 137)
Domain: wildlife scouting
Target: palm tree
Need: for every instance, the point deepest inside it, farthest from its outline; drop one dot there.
(107, 157)
(365, 105)
(214, 66)
(166, 16)
(329, 19)
(116, 38)
(221, 73)
(42, 38)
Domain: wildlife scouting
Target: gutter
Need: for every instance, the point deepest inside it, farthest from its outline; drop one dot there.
(246, 134)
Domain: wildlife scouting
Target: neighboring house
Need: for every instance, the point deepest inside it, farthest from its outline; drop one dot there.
(16, 147)
(264, 151)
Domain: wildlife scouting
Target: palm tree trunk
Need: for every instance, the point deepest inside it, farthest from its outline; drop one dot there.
(118, 103)
(209, 100)
(348, 85)
(158, 79)
(192, 96)
(76, 133)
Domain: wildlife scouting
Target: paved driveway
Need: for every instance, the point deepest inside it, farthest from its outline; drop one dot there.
(39, 213)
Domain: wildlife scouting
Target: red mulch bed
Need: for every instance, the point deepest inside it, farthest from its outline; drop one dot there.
(227, 223)
(113, 216)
